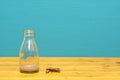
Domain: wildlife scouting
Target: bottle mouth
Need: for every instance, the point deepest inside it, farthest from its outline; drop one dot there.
(28, 33)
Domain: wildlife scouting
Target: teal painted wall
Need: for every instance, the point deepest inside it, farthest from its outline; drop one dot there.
(63, 27)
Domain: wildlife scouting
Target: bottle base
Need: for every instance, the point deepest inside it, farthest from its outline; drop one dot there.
(29, 69)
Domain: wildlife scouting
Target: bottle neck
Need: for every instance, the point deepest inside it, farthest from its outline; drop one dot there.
(28, 34)
(28, 37)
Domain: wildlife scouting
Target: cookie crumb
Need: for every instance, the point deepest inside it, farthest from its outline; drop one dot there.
(50, 69)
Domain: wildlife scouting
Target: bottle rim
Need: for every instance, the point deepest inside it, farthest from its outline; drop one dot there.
(29, 31)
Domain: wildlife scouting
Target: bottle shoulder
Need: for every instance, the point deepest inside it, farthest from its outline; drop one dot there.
(29, 44)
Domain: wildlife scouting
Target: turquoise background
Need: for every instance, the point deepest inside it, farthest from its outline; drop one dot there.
(63, 27)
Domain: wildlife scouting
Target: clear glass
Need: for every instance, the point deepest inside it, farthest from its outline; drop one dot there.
(29, 58)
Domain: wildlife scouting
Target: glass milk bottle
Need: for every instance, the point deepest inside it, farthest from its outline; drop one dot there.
(29, 58)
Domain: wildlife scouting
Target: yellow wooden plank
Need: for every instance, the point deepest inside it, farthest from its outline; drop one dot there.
(72, 68)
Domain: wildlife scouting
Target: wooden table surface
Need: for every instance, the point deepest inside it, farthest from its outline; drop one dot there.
(72, 68)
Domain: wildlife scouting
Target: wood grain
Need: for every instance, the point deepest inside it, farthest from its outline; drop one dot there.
(72, 68)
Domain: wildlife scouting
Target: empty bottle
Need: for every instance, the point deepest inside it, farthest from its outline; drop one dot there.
(29, 58)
